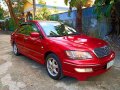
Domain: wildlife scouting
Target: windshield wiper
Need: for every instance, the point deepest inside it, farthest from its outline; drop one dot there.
(74, 34)
(55, 36)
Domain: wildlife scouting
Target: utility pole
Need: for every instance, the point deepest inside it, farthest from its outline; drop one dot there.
(34, 9)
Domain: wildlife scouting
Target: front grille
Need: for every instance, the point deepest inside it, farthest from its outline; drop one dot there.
(102, 51)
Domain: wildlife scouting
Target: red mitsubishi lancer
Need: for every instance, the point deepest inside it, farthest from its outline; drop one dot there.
(63, 50)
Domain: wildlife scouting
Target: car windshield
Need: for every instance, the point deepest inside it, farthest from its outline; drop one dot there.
(56, 29)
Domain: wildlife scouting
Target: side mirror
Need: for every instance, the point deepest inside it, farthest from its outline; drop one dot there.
(35, 34)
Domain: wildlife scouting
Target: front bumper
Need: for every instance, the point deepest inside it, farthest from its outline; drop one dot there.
(98, 66)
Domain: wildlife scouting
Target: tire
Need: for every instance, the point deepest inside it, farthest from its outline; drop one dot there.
(15, 50)
(53, 67)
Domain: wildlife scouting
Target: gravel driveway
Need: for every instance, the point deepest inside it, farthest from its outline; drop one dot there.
(22, 73)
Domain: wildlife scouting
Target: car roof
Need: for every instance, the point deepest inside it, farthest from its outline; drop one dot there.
(38, 21)
(43, 21)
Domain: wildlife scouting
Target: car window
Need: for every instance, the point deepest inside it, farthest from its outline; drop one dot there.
(56, 29)
(27, 29)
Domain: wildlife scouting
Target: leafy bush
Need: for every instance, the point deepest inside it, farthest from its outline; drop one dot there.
(11, 24)
(1, 13)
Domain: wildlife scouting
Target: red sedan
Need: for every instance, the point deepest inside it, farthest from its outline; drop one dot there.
(63, 50)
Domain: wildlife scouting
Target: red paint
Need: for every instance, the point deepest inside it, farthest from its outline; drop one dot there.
(36, 48)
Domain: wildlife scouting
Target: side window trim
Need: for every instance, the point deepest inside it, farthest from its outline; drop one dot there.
(33, 25)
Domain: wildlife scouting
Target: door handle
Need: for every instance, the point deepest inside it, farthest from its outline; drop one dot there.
(16, 35)
(25, 39)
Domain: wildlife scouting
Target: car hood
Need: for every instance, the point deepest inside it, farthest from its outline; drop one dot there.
(78, 42)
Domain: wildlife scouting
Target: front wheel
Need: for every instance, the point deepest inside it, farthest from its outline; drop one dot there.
(53, 67)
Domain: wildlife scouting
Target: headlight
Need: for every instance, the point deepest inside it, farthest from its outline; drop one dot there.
(78, 55)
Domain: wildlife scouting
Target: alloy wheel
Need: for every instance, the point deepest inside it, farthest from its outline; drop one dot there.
(52, 66)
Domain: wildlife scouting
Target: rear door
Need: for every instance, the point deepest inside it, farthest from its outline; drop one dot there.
(19, 38)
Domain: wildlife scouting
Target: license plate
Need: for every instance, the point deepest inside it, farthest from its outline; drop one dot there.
(109, 64)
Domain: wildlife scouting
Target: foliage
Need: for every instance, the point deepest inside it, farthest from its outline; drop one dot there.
(109, 4)
(75, 3)
(18, 6)
(55, 10)
(111, 11)
(9, 4)
(1, 13)
(11, 24)
(15, 8)
(43, 13)
(42, 2)
(98, 4)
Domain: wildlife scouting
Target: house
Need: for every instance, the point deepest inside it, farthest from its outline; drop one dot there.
(28, 7)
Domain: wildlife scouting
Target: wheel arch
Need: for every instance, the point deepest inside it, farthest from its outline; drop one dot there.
(57, 52)
(47, 53)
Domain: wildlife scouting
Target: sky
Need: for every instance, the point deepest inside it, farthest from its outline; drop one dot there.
(3, 6)
(56, 3)
(48, 2)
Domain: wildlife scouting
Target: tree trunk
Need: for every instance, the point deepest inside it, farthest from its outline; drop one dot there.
(79, 17)
(34, 9)
(12, 14)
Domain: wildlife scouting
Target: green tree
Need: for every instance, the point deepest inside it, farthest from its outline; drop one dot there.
(112, 10)
(18, 6)
(43, 13)
(12, 14)
(42, 2)
(15, 8)
(1, 13)
(99, 4)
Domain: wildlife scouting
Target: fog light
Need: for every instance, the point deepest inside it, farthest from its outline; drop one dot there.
(83, 69)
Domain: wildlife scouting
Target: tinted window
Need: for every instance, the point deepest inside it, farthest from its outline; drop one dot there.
(52, 29)
(27, 29)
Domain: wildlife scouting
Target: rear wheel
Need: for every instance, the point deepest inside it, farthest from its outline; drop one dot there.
(15, 50)
(53, 67)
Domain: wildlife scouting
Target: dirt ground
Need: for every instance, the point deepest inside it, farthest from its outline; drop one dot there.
(22, 73)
